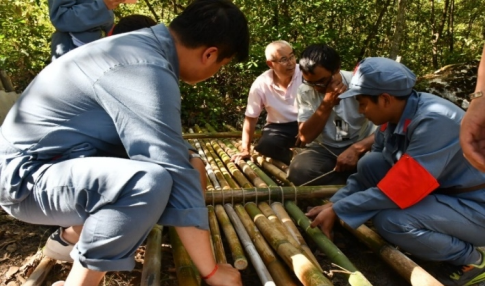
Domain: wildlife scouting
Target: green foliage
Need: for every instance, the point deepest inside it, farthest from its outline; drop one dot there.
(354, 28)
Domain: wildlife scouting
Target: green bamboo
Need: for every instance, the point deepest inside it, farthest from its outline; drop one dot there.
(216, 236)
(326, 245)
(230, 128)
(248, 245)
(277, 163)
(253, 177)
(150, 275)
(208, 168)
(187, 275)
(275, 267)
(217, 172)
(210, 128)
(279, 193)
(236, 173)
(269, 213)
(220, 165)
(304, 269)
(283, 216)
(240, 261)
(272, 169)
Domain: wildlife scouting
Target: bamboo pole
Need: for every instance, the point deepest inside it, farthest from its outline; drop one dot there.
(216, 236)
(304, 269)
(248, 245)
(215, 135)
(281, 213)
(272, 262)
(404, 266)
(210, 128)
(255, 179)
(220, 165)
(236, 173)
(272, 169)
(230, 128)
(277, 163)
(217, 172)
(279, 193)
(269, 213)
(40, 273)
(150, 275)
(208, 168)
(187, 275)
(240, 261)
(326, 245)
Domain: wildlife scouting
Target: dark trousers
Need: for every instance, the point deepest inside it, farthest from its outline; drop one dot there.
(313, 162)
(276, 141)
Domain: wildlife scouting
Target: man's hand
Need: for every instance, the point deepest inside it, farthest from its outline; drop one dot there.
(241, 155)
(112, 4)
(226, 275)
(347, 160)
(472, 133)
(299, 142)
(324, 217)
(333, 91)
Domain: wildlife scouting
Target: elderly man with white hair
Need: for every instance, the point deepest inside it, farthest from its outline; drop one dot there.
(275, 90)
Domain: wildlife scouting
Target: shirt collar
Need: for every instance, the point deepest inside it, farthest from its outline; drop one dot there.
(408, 114)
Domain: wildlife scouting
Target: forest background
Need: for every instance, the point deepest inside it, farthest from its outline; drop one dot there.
(426, 34)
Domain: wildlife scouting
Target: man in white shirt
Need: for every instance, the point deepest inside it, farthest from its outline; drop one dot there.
(275, 90)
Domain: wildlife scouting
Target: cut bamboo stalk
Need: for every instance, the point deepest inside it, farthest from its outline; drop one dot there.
(304, 269)
(240, 261)
(217, 172)
(209, 185)
(150, 275)
(272, 169)
(269, 213)
(270, 193)
(40, 273)
(210, 128)
(258, 264)
(216, 236)
(208, 167)
(275, 266)
(226, 159)
(227, 175)
(256, 181)
(277, 163)
(187, 275)
(230, 128)
(281, 213)
(214, 135)
(404, 266)
(326, 245)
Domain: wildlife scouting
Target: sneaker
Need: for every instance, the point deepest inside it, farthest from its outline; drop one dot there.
(57, 248)
(465, 275)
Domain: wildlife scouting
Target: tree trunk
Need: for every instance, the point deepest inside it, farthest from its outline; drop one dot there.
(372, 34)
(399, 31)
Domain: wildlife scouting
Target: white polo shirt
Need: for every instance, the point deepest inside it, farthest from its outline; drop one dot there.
(281, 106)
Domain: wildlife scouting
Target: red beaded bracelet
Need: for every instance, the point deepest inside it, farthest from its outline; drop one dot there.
(212, 273)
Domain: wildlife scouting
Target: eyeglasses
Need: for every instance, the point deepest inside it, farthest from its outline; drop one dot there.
(322, 83)
(286, 60)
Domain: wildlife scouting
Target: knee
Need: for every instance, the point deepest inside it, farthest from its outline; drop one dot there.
(153, 181)
(390, 223)
(370, 161)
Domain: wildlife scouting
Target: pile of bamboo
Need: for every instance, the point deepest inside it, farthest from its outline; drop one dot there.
(253, 208)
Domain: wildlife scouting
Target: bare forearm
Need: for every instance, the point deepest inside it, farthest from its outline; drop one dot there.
(197, 243)
(248, 132)
(310, 129)
(364, 145)
(481, 74)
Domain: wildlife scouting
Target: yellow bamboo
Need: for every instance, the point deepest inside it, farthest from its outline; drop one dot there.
(220, 165)
(40, 272)
(217, 172)
(304, 269)
(277, 163)
(230, 128)
(236, 173)
(150, 275)
(240, 261)
(216, 236)
(217, 135)
(272, 169)
(208, 168)
(187, 275)
(269, 213)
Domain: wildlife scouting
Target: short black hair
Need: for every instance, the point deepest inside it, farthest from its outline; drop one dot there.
(319, 55)
(132, 23)
(214, 23)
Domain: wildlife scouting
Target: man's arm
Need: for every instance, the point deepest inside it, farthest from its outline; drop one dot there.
(348, 159)
(472, 132)
(247, 137)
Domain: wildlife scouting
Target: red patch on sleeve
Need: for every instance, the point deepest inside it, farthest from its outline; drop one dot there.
(407, 182)
(383, 127)
(406, 124)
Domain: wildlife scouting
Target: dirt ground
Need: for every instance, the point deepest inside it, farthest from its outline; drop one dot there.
(21, 242)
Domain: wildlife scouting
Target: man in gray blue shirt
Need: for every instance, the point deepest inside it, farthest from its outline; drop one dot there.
(96, 140)
(333, 131)
(415, 184)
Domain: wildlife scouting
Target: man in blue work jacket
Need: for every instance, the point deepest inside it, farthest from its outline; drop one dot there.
(95, 142)
(415, 184)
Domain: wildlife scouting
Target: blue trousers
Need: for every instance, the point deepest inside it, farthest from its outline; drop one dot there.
(431, 229)
(118, 201)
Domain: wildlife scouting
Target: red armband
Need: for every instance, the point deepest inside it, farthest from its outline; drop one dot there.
(212, 273)
(407, 182)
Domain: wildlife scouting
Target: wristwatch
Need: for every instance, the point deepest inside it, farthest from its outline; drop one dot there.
(192, 155)
(475, 95)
